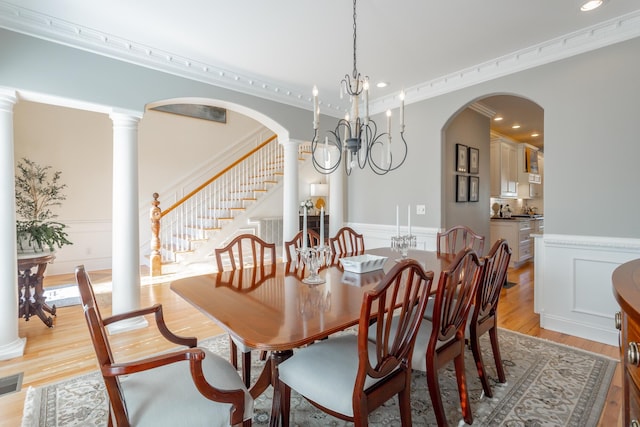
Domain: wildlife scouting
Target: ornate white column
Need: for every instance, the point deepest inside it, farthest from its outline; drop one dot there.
(336, 197)
(11, 345)
(125, 217)
(290, 220)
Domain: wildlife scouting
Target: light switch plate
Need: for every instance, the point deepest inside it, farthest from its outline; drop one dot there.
(421, 210)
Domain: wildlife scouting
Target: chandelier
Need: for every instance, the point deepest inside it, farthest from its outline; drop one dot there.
(355, 140)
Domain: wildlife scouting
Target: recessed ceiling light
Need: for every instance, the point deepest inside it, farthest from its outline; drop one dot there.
(515, 127)
(535, 134)
(497, 118)
(590, 5)
(382, 84)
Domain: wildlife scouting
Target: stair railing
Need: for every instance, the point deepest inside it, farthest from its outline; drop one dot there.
(213, 203)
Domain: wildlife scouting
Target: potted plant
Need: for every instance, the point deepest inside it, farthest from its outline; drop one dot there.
(37, 192)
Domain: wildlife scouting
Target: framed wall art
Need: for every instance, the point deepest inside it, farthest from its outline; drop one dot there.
(462, 161)
(474, 188)
(461, 188)
(474, 160)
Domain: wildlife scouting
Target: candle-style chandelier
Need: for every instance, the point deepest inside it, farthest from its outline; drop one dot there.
(355, 138)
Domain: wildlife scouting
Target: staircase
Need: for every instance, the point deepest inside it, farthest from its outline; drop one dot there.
(220, 208)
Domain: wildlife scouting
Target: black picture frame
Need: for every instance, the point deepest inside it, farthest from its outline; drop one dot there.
(462, 188)
(474, 188)
(462, 158)
(474, 160)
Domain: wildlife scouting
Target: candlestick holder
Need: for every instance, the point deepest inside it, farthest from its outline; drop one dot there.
(403, 243)
(314, 258)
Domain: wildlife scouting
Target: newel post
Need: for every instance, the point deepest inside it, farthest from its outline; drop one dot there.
(155, 215)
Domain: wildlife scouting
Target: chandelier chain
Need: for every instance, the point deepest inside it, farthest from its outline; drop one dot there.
(355, 68)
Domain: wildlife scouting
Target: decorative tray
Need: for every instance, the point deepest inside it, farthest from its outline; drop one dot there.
(363, 263)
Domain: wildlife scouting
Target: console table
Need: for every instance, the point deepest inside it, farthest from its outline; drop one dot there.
(30, 291)
(313, 223)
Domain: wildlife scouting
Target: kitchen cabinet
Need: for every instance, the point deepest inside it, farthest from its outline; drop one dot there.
(504, 169)
(517, 233)
(537, 226)
(535, 190)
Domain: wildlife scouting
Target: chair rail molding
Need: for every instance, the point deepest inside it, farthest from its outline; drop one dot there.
(379, 235)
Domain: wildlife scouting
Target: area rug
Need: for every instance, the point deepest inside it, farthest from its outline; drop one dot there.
(547, 385)
(62, 295)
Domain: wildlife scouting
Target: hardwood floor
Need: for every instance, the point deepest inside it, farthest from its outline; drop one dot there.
(53, 354)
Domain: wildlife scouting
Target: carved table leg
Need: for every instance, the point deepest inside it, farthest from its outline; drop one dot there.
(31, 292)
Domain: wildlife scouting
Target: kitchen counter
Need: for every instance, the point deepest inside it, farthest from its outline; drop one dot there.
(518, 218)
(518, 231)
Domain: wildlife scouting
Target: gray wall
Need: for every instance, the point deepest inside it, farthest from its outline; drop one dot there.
(590, 103)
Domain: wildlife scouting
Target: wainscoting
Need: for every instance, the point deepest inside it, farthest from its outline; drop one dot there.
(379, 236)
(92, 242)
(572, 275)
(573, 290)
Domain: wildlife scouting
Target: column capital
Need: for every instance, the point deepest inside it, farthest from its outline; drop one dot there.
(125, 116)
(287, 143)
(8, 98)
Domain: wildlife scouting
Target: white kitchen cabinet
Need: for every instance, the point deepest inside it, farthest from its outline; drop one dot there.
(504, 169)
(535, 190)
(529, 172)
(517, 233)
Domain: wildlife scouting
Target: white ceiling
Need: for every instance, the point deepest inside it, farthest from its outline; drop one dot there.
(281, 48)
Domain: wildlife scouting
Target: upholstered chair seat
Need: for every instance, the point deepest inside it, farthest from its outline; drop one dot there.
(333, 378)
(152, 396)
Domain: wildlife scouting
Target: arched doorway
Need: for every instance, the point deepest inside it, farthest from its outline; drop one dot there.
(473, 127)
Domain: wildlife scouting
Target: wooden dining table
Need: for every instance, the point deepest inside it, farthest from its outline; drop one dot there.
(269, 307)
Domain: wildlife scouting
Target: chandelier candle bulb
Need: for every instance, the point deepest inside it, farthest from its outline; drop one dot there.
(356, 107)
(316, 109)
(366, 102)
(402, 111)
(409, 221)
(389, 125)
(397, 220)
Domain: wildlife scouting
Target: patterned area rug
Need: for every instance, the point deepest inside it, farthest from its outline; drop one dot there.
(547, 385)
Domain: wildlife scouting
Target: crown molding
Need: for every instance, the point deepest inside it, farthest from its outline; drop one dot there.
(606, 33)
(15, 18)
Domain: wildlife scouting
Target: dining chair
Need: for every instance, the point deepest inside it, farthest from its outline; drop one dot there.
(347, 241)
(442, 339)
(457, 238)
(290, 246)
(484, 313)
(188, 386)
(348, 376)
(245, 250)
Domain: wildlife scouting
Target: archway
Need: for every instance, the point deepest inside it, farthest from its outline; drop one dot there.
(474, 126)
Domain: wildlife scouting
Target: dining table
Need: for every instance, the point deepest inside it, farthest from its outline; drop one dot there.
(271, 308)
